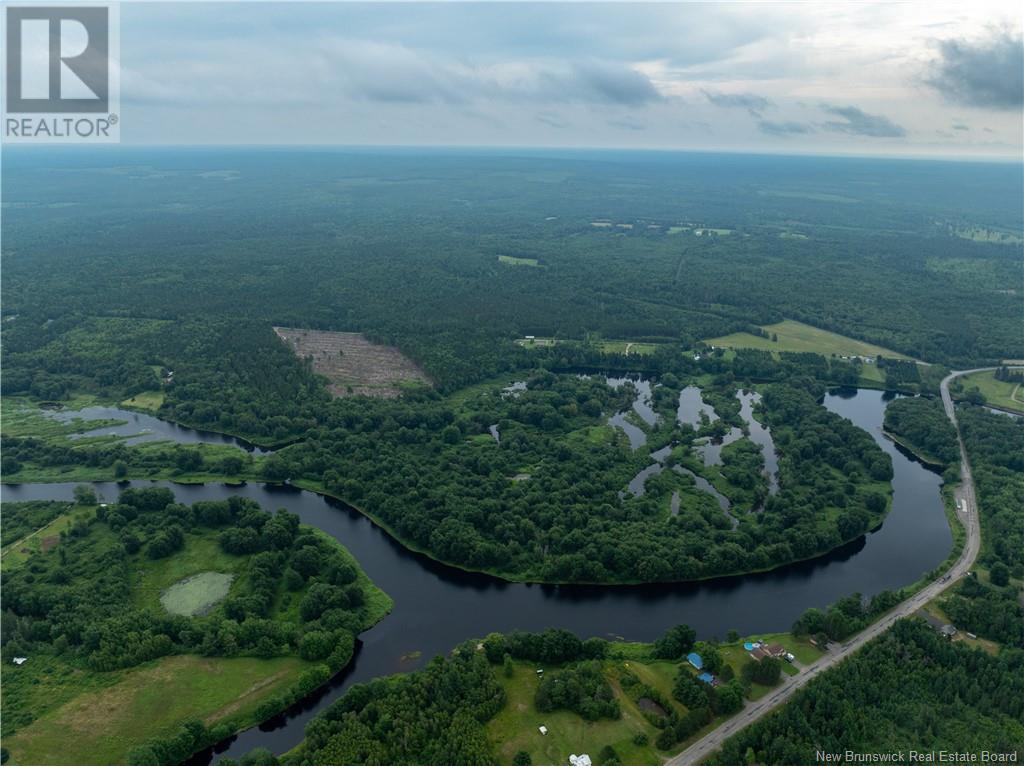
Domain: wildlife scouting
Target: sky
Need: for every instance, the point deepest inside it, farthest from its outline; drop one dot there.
(908, 78)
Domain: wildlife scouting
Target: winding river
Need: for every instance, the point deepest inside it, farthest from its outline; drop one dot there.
(437, 607)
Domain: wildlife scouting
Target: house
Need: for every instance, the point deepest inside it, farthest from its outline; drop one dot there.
(580, 760)
(948, 631)
(20, 660)
(775, 650)
(758, 654)
(543, 730)
(706, 678)
(695, 659)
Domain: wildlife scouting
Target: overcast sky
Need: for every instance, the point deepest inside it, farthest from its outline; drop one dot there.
(919, 78)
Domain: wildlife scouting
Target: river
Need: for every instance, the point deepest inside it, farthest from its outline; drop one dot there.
(437, 607)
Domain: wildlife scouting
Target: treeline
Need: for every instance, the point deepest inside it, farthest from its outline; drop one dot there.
(995, 447)
(76, 600)
(923, 424)
(849, 615)
(908, 688)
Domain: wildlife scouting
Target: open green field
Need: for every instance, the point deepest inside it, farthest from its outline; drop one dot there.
(998, 393)
(22, 417)
(97, 727)
(510, 260)
(796, 336)
(201, 553)
(147, 401)
(516, 727)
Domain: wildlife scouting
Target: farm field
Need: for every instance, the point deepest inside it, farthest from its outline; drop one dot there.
(354, 365)
(998, 393)
(96, 727)
(799, 337)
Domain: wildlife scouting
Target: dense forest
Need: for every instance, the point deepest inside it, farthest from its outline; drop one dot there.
(390, 246)
(908, 689)
(995, 447)
(922, 424)
(295, 592)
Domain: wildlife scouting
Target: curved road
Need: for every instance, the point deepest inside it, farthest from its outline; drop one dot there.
(968, 516)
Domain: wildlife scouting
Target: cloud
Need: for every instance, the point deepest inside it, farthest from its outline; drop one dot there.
(784, 128)
(331, 68)
(752, 103)
(551, 120)
(989, 74)
(627, 123)
(859, 123)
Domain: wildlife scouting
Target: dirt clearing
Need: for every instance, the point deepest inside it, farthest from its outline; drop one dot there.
(353, 365)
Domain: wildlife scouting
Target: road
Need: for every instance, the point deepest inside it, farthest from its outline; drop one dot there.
(968, 516)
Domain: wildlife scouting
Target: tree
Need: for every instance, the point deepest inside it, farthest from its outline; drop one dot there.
(522, 758)
(85, 495)
(675, 643)
(999, 574)
(120, 469)
(510, 668)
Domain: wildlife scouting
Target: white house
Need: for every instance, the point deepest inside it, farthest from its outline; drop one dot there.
(580, 760)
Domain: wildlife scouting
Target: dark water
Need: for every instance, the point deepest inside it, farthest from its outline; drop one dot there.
(146, 428)
(692, 406)
(437, 607)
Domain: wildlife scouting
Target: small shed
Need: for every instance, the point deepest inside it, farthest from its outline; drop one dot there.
(580, 760)
(543, 730)
(706, 678)
(695, 659)
(20, 660)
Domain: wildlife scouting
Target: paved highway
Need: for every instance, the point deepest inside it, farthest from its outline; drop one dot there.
(968, 516)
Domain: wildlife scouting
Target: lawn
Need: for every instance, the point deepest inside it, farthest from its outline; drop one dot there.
(509, 260)
(796, 336)
(998, 393)
(516, 727)
(100, 725)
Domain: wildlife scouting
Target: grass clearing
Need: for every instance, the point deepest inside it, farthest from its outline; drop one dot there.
(44, 539)
(516, 727)
(147, 401)
(998, 393)
(510, 260)
(799, 337)
(99, 726)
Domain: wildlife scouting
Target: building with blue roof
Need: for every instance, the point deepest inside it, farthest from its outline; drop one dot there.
(695, 659)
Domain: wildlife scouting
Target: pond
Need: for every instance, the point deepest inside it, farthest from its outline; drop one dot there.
(437, 607)
(139, 427)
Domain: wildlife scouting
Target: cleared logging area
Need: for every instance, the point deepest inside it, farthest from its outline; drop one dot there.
(353, 365)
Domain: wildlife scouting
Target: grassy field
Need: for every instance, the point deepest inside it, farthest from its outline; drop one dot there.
(516, 727)
(43, 539)
(998, 393)
(147, 401)
(607, 346)
(100, 725)
(509, 260)
(796, 336)
(201, 554)
(23, 417)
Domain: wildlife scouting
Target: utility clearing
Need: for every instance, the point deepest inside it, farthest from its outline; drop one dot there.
(353, 365)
